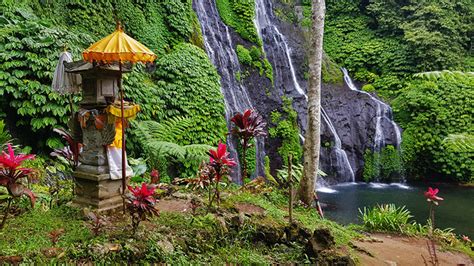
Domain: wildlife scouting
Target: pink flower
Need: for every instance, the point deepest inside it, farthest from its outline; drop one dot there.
(465, 239)
(155, 176)
(154, 173)
(431, 195)
(221, 156)
(11, 161)
(142, 196)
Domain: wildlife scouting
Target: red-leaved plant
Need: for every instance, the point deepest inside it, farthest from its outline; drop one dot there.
(12, 176)
(141, 204)
(248, 125)
(71, 152)
(219, 164)
(154, 176)
(432, 197)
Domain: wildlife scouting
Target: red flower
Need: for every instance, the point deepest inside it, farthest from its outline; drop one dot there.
(221, 156)
(465, 239)
(155, 176)
(431, 195)
(154, 173)
(11, 161)
(142, 196)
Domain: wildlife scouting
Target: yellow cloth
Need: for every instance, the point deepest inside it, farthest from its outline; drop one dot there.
(118, 46)
(129, 112)
(118, 135)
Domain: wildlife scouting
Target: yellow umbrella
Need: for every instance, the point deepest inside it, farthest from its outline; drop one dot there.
(119, 47)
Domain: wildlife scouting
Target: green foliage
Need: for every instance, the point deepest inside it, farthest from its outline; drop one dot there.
(29, 50)
(33, 36)
(446, 74)
(368, 88)
(385, 165)
(331, 72)
(436, 31)
(244, 55)
(430, 111)
(239, 14)
(162, 143)
(251, 156)
(385, 218)
(189, 86)
(255, 58)
(459, 142)
(29, 235)
(286, 128)
(383, 41)
(5, 136)
(349, 42)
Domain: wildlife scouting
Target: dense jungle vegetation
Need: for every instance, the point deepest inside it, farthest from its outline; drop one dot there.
(382, 43)
(184, 83)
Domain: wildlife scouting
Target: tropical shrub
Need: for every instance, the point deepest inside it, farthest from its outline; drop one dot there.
(255, 58)
(285, 127)
(27, 61)
(161, 143)
(385, 217)
(429, 111)
(69, 153)
(210, 174)
(141, 204)
(220, 163)
(189, 86)
(239, 14)
(12, 177)
(385, 165)
(247, 126)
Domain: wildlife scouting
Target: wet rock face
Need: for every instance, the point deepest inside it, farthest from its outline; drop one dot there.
(350, 114)
(353, 115)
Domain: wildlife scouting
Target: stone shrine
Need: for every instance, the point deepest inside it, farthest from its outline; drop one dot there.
(94, 186)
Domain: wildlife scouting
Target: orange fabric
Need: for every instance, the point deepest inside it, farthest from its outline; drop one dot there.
(118, 46)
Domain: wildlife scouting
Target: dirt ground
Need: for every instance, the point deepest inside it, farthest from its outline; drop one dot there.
(173, 205)
(398, 250)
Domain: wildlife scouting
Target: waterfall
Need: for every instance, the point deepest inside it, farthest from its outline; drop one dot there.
(279, 53)
(383, 112)
(220, 49)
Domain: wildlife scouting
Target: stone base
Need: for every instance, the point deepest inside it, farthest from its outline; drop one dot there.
(97, 191)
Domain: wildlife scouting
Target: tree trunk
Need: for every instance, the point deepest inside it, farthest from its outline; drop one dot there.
(312, 141)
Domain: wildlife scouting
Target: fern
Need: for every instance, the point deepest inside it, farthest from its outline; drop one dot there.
(160, 142)
(445, 74)
(297, 173)
(460, 142)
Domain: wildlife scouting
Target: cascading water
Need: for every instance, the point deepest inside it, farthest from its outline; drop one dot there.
(220, 49)
(278, 51)
(383, 116)
(383, 112)
(351, 120)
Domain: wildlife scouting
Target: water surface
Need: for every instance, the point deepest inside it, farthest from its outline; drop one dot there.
(456, 211)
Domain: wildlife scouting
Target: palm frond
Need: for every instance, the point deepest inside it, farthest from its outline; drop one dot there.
(446, 74)
(460, 142)
(297, 173)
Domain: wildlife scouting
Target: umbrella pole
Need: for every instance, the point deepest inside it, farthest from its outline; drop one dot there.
(123, 135)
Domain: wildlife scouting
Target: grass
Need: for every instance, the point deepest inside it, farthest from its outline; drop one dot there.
(28, 234)
(202, 238)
